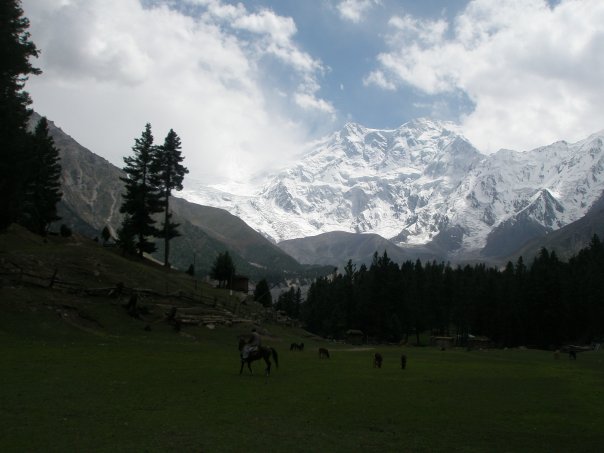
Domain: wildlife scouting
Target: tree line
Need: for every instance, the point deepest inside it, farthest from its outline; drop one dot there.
(29, 162)
(547, 303)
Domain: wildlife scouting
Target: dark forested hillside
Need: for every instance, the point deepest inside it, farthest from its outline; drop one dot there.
(544, 303)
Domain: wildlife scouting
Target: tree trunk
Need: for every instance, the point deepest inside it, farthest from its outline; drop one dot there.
(166, 232)
(140, 246)
(166, 252)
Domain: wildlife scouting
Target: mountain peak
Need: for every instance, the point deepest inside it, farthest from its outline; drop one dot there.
(352, 131)
(430, 124)
(422, 179)
(422, 123)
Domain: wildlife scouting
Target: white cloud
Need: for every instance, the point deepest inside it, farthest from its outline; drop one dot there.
(280, 29)
(378, 78)
(310, 102)
(425, 31)
(533, 71)
(221, 11)
(353, 10)
(110, 66)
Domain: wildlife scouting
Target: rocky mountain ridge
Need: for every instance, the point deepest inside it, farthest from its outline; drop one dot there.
(421, 187)
(420, 184)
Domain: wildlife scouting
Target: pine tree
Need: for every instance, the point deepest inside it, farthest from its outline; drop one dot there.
(15, 51)
(297, 309)
(141, 199)
(223, 269)
(286, 301)
(105, 234)
(290, 302)
(126, 237)
(43, 190)
(262, 293)
(170, 173)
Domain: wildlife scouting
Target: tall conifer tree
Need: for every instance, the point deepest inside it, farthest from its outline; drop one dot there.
(262, 293)
(15, 51)
(43, 190)
(126, 238)
(170, 173)
(141, 199)
(223, 270)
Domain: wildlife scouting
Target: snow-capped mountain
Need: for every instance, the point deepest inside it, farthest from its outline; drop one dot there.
(523, 195)
(421, 183)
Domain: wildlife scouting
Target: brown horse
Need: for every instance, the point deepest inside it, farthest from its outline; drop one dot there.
(261, 353)
(377, 360)
(297, 347)
(323, 353)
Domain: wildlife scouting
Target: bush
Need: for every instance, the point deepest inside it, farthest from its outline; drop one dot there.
(191, 270)
(65, 231)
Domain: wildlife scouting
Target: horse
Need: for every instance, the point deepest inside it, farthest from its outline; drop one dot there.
(262, 352)
(323, 353)
(377, 360)
(297, 347)
(403, 361)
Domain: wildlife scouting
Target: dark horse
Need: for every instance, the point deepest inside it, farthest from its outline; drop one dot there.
(297, 347)
(377, 360)
(261, 353)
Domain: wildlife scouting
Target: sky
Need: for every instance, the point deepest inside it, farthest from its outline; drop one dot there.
(248, 85)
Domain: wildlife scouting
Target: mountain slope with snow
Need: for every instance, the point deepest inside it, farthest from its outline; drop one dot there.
(422, 183)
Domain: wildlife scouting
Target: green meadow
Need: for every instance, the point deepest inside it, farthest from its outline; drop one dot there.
(124, 389)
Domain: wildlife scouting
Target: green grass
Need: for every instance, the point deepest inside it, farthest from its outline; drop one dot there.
(78, 374)
(64, 389)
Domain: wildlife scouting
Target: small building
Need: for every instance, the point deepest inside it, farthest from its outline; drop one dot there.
(354, 337)
(240, 283)
(442, 343)
(476, 342)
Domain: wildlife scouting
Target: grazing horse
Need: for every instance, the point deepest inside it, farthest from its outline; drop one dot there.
(323, 353)
(297, 347)
(377, 360)
(261, 353)
(403, 361)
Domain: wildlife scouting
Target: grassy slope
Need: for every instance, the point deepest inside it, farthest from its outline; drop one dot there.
(99, 382)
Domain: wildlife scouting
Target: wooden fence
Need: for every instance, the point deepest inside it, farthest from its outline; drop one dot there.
(239, 310)
(15, 275)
